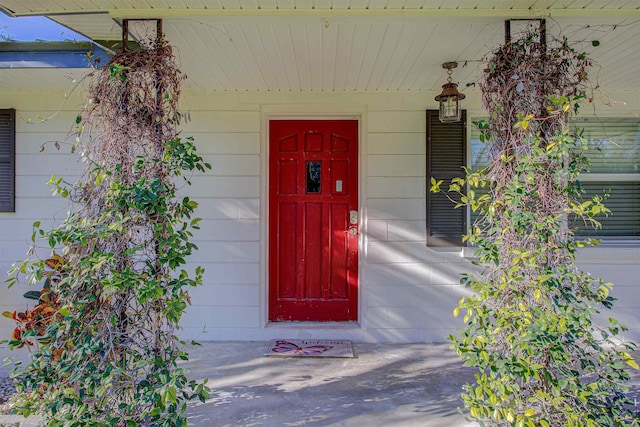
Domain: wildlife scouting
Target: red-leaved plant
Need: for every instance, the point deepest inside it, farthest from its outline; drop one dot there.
(32, 324)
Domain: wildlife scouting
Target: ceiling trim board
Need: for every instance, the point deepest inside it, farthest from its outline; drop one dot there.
(354, 13)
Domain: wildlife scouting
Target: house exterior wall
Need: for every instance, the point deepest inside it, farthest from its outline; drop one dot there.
(407, 291)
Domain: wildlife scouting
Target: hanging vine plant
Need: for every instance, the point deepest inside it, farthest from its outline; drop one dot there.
(530, 330)
(112, 357)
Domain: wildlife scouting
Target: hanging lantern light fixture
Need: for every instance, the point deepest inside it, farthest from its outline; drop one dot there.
(450, 108)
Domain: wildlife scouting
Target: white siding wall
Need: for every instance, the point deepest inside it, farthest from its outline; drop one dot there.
(228, 305)
(33, 197)
(407, 290)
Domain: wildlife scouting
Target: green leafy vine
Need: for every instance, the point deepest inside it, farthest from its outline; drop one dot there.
(530, 328)
(110, 355)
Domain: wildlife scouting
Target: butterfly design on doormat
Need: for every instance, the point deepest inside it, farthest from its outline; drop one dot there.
(289, 348)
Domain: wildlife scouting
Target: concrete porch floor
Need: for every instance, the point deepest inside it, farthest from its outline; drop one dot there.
(385, 385)
(390, 385)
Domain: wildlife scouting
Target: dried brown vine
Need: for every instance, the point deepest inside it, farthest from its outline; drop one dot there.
(529, 326)
(521, 80)
(121, 296)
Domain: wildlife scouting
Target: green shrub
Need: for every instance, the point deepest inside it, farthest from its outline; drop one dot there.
(530, 326)
(111, 357)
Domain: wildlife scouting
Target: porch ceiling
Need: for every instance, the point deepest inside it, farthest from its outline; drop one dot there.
(346, 45)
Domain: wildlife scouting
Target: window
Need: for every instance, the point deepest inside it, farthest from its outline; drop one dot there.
(7, 160)
(614, 152)
(446, 153)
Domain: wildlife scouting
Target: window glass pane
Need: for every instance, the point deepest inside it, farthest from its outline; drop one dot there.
(614, 151)
(613, 143)
(479, 154)
(624, 204)
(479, 159)
(313, 177)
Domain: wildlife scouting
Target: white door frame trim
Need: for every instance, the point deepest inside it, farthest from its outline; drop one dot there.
(309, 112)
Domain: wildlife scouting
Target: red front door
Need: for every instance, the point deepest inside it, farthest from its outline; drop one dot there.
(313, 220)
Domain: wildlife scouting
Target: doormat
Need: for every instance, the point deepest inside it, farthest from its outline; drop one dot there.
(310, 348)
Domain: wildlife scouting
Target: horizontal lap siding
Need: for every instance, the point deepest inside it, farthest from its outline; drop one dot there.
(229, 203)
(229, 238)
(33, 200)
(407, 289)
(621, 266)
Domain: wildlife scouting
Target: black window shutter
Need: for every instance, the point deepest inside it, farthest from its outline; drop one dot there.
(7, 160)
(446, 155)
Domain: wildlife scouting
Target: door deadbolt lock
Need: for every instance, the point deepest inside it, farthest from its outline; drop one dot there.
(353, 217)
(353, 231)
